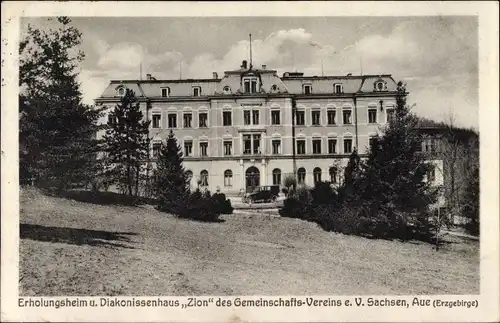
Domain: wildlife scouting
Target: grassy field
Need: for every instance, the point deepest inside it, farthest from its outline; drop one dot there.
(75, 248)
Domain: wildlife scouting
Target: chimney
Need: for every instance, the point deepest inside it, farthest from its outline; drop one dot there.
(264, 66)
(215, 75)
(148, 77)
(244, 64)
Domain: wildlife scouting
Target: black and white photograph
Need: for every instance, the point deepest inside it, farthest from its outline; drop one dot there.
(249, 155)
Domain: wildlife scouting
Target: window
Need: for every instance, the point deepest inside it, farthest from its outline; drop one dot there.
(333, 174)
(390, 114)
(228, 148)
(430, 145)
(203, 120)
(380, 86)
(316, 146)
(274, 88)
(246, 118)
(300, 118)
(307, 89)
(165, 92)
(276, 147)
(372, 115)
(188, 118)
(255, 116)
(347, 146)
(112, 119)
(347, 116)
(256, 144)
(301, 147)
(251, 144)
(203, 149)
(188, 148)
(156, 149)
(189, 175)
(156, 120)
(371, 142)
(316, 117)
(226, 118)
(226, 89)
(196, 91)
(250, 85)
(431, 175)
(276, 176)
(338, 88)
(331, 114)
(301, 175)
(317, 175)
(204, 178)
(332, 146)
(247, 144)
(121, 91)
(172, 120)
(275, 117)
(228, 178)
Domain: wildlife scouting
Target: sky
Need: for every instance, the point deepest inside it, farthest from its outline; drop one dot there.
(437, 56)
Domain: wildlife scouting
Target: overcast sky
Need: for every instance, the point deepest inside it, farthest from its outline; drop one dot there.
(436, 56)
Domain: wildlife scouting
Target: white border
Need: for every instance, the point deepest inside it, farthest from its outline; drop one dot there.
(489, 144)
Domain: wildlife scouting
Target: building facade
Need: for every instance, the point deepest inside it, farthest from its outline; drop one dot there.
(252, 127)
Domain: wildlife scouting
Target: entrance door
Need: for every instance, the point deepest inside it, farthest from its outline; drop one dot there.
(252, 178)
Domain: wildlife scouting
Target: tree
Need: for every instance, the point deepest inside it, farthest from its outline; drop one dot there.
(471, 207)
(58, 146)
(127, 143)
(351, 178)
(172, 181)
(393, 180)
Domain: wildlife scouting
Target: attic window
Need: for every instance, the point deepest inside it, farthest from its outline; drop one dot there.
(307, 88)
(250, 85)
(165, 92)
(120, 91)
(226, 89)
(274, 88)
(196, 91)
(338, 88)
(380, 86)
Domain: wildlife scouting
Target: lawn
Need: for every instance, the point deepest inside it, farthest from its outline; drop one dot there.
(69, 247)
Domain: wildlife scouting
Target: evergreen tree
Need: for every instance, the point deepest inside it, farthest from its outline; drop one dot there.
(347, 192)
(471, 207)
(127, 143)
(172, 182)
(393, 178)
(58, 146)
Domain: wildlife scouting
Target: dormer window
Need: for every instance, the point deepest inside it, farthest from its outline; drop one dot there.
(226, 89)
(165, 92)
(250, 85)
(307, 88)
(338, 88)
(120, 91)
(196, 91)
(274, 88)
(380, 86)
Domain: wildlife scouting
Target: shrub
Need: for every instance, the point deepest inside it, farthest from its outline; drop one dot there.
(199, 207)
(345, 220)
(323, 193)
(222, 205)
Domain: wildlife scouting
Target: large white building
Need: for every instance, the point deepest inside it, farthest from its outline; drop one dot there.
(251, 126)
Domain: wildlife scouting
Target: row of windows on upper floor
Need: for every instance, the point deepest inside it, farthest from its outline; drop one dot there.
(252, 117)
(251, 85)
(252, 145)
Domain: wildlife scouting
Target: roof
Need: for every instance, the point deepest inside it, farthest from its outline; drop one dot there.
(269, 82)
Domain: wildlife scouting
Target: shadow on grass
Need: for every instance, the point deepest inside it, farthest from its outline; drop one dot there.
(104, 198)
(75, 236)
